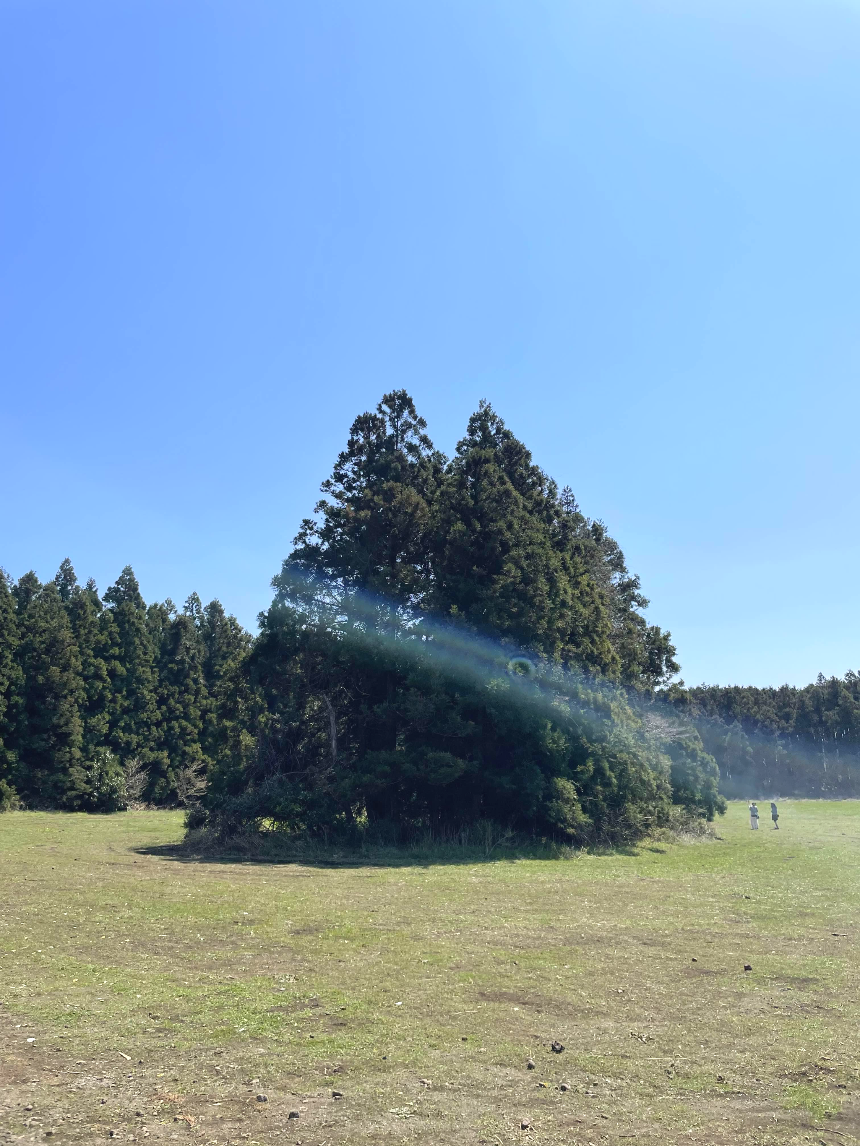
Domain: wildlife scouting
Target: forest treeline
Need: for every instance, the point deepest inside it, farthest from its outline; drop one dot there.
(104, 701)
(451, 643)
(784, 741)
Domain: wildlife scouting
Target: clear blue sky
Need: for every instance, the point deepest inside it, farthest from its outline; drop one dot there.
(228, 228)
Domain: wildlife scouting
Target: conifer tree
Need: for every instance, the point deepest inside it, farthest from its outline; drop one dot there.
(10, 690)
(224, 640)
(372, 531)
(131, 666)
(508, 555)
(183, 701)
(83, 607)
(49, 733)
(66, 581)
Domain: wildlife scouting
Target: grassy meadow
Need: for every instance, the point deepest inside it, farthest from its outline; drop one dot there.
(147, 995)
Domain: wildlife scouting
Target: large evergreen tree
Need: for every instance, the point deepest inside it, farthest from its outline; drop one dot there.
(48, 738)
(84, 607)
(224, 640)
(371, 529)
(183, 700)
(350, 709)
(130, 657)
(506, 558)
(10, 690)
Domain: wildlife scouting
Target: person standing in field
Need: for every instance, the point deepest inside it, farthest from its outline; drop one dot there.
(774, 814)
(753, 815)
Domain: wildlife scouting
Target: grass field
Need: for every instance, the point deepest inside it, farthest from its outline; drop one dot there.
(143, 996)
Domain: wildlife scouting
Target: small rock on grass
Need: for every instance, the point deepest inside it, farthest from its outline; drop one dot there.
(557, 1047)
(294, 1114)
(530, 1065)
(525, 1124)
(564, 1086)
(337, 1094)
(748, 966)
(262, 1098)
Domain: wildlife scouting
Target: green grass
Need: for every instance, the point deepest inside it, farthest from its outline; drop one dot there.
(160, 984)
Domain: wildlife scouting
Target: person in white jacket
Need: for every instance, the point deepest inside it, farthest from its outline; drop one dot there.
(754, 815)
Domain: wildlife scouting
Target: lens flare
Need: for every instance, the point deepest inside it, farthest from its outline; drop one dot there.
(593, 706)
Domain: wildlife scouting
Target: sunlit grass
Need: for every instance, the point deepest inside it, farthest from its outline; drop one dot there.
(295, 980)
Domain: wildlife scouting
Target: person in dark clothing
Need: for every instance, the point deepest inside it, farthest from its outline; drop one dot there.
(774, 815)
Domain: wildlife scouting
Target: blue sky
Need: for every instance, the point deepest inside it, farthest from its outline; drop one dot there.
(228, 228)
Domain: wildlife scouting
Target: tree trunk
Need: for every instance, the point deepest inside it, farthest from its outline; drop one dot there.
(332, 723)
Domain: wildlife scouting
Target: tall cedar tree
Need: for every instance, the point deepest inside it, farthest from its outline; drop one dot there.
(49, 734)
(183, 698)
(372, 526)
(223, 639)
(372, 534)
(84, 607)
(131, 666)
(10, 690)
(505, 557)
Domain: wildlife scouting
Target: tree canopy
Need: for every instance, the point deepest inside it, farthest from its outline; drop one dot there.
(451, 641)
(91, 689)
(383, 691)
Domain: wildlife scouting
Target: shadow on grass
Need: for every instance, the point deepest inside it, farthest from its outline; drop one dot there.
(393, 857)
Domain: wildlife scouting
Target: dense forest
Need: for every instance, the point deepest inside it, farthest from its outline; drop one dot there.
(779, 741)
(106, 702)
(452, 642)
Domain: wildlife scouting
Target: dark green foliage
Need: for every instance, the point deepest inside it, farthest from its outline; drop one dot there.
(694, 775)
(511, 554)
(10, 689)
(183, 698)
(348, 715)
(373, 527)
(49, 732)
(90, 696)
(131, 667)
(360, 733)
(84, 609)
(450, 642)
(224, 640)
